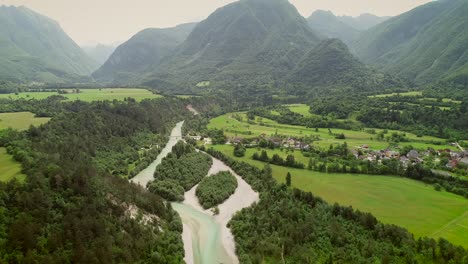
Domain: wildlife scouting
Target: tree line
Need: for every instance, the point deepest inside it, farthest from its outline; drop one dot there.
(293, 226)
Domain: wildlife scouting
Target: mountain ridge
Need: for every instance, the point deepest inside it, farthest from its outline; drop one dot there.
(425, 44)
(35, 48)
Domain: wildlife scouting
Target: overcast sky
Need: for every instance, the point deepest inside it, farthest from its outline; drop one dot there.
(110, 21)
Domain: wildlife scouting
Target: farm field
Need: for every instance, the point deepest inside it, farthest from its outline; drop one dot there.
(20, 120)
(233, 127)
(89, 95)
(9, 168)
(405, 202)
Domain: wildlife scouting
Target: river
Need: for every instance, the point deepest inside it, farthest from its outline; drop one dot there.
(207, 240)
(147, 175)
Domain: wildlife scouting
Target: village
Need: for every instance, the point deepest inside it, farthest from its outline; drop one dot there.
(451, 158)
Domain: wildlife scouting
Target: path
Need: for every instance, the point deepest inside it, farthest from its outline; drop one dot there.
(454, 221)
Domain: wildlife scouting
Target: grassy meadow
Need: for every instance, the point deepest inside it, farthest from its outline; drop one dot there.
(233, 127)
(20, 120)
(9, 168)
(89, 95)
(405, 202)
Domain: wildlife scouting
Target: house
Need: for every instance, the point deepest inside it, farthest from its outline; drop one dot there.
(276, 141)
(196, 137)
(236, 140)
(365, 146)
(412, 155)
(404, 160)
(455, 155)
(452, 164)
(392, 154)
(464, 154)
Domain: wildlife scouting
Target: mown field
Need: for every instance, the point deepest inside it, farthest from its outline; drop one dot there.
(9, 168)
(242, 128)
(404, 202)
(20, 120)
(89, 95)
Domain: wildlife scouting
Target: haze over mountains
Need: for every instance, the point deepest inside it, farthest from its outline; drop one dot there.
(250, 43)
(346, 28)
(100, 53)
(35, 48)
(147, 48)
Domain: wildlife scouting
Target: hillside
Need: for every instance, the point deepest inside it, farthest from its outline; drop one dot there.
(99, 53)
(332, 64)
(425, 44)
(147, 48)
(249, 41)
(35, 48)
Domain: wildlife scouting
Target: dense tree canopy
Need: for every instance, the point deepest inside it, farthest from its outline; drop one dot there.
(215, 189)
(70, 210)
(182, 169)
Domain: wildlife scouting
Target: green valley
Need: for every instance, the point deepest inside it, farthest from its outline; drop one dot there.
(391, 199)
(89, 95)
(237, 133)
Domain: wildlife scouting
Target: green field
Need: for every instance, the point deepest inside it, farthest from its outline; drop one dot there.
(233, 127)
(89, 95)
(20, 120)
(414, 93)
(300, 109)
(404, 202)
(9, 168)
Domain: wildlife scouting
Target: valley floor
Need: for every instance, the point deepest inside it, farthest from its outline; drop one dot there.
(400, 201)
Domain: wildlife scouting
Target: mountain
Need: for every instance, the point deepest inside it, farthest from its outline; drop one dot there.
(147, 48)
(363, 22)
(426, 44)
(35, 48)
(332, 64)
(345, 28)
(330, 26)
(246, 42)
(99, 53)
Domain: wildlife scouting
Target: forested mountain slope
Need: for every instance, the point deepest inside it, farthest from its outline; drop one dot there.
(147, 48)
(332, 64)
(426, 44)
(35, 48)
(249, 41)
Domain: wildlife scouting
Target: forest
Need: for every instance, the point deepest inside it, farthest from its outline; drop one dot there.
(182, 169)
(71, 209)
(215, 189)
